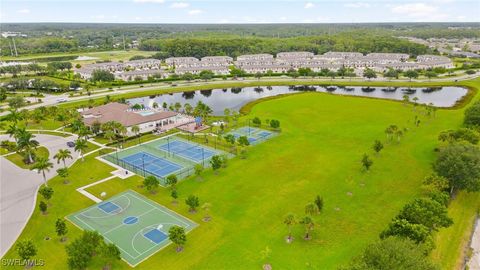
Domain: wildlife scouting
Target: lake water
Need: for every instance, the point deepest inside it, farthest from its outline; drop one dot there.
(235, 98)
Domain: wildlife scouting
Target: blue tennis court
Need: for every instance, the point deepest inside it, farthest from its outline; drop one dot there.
(188, 150)
(108, 207)
(154, 165)
(155, 236)
(250, 139)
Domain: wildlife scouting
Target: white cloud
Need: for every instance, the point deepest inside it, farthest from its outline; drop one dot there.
(415, 9)
(179, 5)
(420, 12)
(195, 12)
(309, 5)
(24, 11)
(357, 5)
(150, 1)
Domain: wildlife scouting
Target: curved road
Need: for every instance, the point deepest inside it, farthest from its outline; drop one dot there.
(18, 189)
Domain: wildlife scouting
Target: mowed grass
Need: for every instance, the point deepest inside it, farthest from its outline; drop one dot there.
(449, 240)
(18, 158)
(324, 137)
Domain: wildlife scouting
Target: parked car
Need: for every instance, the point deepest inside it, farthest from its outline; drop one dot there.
(70, 144)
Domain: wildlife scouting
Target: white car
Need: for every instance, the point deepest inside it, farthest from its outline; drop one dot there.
(60, 100)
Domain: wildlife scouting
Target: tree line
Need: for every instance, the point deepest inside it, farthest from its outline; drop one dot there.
(235, 46)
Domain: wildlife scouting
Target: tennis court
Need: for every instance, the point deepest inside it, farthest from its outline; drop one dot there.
(137, 225)
(157, 166)
(254, 135)
(188, 150)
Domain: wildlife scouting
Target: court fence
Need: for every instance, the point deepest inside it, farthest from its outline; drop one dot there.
(153, 148)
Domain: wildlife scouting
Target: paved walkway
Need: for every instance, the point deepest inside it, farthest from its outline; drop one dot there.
(474, 263)
(18, 189)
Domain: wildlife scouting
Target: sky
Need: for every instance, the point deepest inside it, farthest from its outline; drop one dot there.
(236, 11)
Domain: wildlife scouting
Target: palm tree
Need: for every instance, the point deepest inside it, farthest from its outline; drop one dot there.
(307, 221)
(136, 130)
(12, 131)
(123, 132)
(188, 108)
(110, 135)
(14, 115)
(26, 143)
(311, 209)
(84, 132)
(290, 220)
(41, 165)
(81, 146)
(62, 155)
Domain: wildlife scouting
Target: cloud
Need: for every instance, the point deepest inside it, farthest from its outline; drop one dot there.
(24, 11)
(420, 12)
(357, 5)
(150, 1)
(195, 12)
(415, 9)
(179, 5)
(309, 5)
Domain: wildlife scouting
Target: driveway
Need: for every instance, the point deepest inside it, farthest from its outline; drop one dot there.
(18, 189)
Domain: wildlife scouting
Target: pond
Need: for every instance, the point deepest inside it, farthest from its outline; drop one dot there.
(235, 98)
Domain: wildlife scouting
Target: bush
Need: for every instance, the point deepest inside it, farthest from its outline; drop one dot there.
(472, 115)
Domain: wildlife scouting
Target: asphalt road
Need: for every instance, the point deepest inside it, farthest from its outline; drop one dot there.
(18, 189)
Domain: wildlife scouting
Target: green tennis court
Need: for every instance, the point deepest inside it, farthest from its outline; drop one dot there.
(136, 224)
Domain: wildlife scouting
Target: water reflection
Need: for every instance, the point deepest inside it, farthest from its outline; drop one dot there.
(235, 98)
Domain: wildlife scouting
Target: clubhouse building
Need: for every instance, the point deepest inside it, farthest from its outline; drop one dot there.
(147, 120)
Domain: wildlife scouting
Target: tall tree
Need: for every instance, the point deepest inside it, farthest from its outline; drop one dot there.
(290, 220)
(62, 155)
(26, 143)
(177, 235)
(81, 146)
(42, 165)
(61, 229)
(460, 164)
(26, 250)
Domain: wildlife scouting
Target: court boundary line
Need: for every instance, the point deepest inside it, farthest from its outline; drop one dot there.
(157, 158)
(108, 215)
(156, 206)
(198, 144)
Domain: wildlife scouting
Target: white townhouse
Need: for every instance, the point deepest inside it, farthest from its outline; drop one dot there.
(149, 63)
(215, 60)
(389, 56)
(294, 55)
(181, 61)
(255, 57)
(143, 74)
(340, 55)
(217, 70)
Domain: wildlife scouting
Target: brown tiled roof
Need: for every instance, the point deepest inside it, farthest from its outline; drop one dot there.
(120, 113)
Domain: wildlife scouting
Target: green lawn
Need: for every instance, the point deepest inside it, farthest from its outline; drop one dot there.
(318, 152)
(449, 240)
(17, 158)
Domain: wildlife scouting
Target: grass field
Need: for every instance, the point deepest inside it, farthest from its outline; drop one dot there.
(104, 55)
(318, 152)
(17, 158)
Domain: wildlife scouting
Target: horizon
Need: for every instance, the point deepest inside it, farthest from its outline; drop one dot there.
(239, 12)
